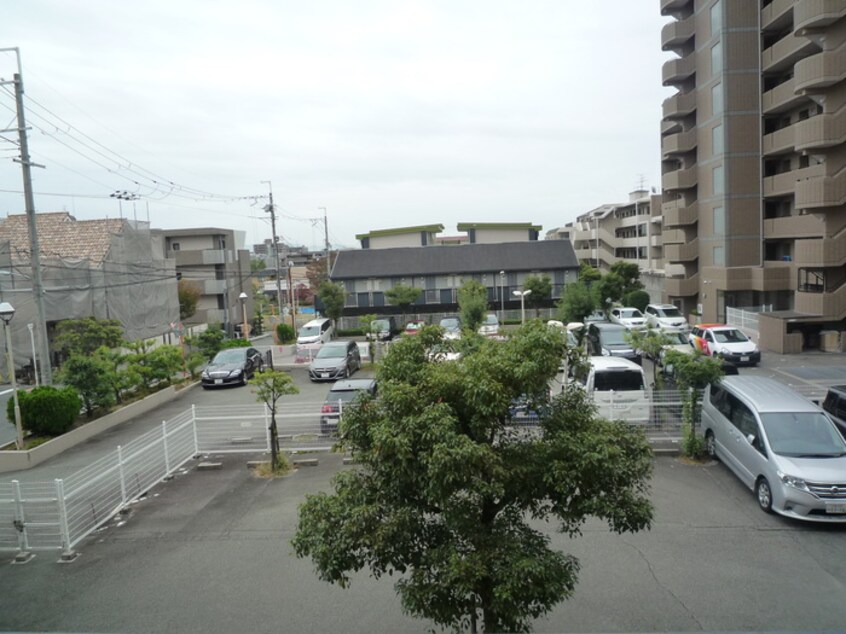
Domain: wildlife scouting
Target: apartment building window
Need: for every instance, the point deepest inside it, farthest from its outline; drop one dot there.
(719, 221)
(716, 17)
(716, 59)
(719, 256)
(812, 280)
(718, 175)
(717, 140)
(717, 99)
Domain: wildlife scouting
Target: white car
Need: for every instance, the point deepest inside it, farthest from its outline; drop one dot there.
(665, 317)
(679, 343)
(631, 318)
(490, 326)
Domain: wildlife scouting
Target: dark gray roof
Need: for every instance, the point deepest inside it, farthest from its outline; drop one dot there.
(534, 255)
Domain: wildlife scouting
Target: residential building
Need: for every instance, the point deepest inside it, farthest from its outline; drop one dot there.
(425, 235)
(754, 163)
(215, 262)
(108, 269)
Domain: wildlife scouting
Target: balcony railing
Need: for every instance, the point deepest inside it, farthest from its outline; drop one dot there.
(817, 13)
(681, 252)
(681, 286)
(820, 253)
(779, 142)
(676, 33)
(821, 131)
(668, 7)
(680, 179)
(785, 184)
(781, 98)
(793, 227)
(821, 192)
(676, 215)
(786, 52)
(679, 105)
(820, 70)
(831, 305)
(675, 71)
(679, 143)
(774, 12)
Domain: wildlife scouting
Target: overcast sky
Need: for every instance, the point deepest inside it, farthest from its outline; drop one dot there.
(388, 114)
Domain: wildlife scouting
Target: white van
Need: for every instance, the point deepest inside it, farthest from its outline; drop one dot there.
(618, 388)
(316, 331)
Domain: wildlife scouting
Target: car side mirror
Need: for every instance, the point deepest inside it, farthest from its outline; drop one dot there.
(750, 438)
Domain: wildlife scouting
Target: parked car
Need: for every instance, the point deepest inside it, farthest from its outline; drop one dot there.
(316, 331)
(779, 444)
(725, 341)
(452, 327)
(631, 318)
(617, 387)
(605, 339)
(490, 326)
(678, 342)
(665, 317)
(382, 329)
(835, 404)
(596, 315)
(341, 395)
(232, 366)
(335, 360)
(414, 327)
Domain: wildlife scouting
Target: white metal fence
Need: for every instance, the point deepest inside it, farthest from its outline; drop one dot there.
(746, 318)
(57, 515)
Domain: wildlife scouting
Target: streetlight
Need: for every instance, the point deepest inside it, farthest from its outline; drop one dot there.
(34, 360)
(7, 311)
(502, 296)
(244, 328)
(522, 296)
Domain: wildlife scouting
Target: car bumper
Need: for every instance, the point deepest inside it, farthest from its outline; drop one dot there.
(752, 358)
(332, 374)
(221, 381)
(804, 506)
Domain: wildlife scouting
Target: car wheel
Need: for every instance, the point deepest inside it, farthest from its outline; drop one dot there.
(764, 495)
(243, 378)
(710, 445)
(346, 372)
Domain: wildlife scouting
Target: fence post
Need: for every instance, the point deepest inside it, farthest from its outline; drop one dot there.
(194, 426)
(123, 499)
(64, 529)
(166, 456)
(20, 525)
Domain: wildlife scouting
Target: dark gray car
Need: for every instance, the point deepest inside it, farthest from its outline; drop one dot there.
(335, 360)
(605, 339)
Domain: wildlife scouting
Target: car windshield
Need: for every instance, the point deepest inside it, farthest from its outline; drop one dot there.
(233, 355)
(669, 312)
(730, 336)
(331, 351)
(450, 323)
(677, 338)
(491, 320)
(613, 337)
(631, 313)
(618, 380)
(380, 325)
(345, 396)
(803, 434)
(309, 331)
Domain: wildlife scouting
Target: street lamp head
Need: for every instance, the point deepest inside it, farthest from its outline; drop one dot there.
(528, 292)
(242, 296)
(7, 311)
(502, 273)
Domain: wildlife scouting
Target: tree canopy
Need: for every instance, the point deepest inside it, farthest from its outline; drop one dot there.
(333, 296)
(189, 294)
(576, 303)
(541, 287)
(83, 336)
(472, 304)
(447, 484)
(403, 296)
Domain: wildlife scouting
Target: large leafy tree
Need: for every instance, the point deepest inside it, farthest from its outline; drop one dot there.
(576, 303)
(403, 296)
(83, 336)
(447, 486)
(608, 290)
(541, 287)
(89, 375)
(629, 272)
(472, 304)
(189, 294)
(588, 274)
(333, 296)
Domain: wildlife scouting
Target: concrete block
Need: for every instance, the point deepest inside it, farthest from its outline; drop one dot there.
(207, 466)
(306, 462)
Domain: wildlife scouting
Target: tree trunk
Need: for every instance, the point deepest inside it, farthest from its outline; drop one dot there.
(274, 443)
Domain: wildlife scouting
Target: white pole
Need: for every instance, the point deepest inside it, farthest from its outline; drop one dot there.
(34, 360)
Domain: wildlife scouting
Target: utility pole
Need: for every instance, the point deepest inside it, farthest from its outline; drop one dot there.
(272, 211)
(35, 253)
(326, 243)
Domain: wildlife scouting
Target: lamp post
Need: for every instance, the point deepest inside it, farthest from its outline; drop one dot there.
(34, 360)
(522, 296)
(7, 311)
(244, 328)
(502, 296)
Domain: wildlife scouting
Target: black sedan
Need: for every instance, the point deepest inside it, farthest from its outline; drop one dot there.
(233, 366)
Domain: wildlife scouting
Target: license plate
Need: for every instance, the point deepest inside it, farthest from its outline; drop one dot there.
(324, 375)
(835, 508)
(218, 381)
(619, 406)
(744, 358)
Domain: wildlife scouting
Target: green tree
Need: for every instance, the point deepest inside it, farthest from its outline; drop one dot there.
(576, 303)
(650, 342)
(333, 297)
(607, 291)
(89, 376)
(589, 274)
(637, 299)
(629, 272)
(447, 489)
(472, 305)
(403, 296)
(121, 377)
(154, 365)
(209, 342)
(541, 287)
(693, 373)
(83, 336)
(270, 386)
(189, 294)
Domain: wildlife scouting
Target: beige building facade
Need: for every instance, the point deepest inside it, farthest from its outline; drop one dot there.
(754, 163)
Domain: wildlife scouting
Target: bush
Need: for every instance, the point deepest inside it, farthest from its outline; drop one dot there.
(285, 333)
(46, 410)
(637, 299)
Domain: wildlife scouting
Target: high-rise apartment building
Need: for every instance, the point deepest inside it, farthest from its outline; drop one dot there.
(754, 162)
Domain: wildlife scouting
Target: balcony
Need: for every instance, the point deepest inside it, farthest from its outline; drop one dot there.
(674, 236)
(680, 179)
(785, 184)
(775, 14)
(214, 287)
(821, 192)
(820, 70)
(677, 33)
(679, 143)
(815, 14)
(820, 253)
(681, 252)
(201, 257)
(676, 71)
(781, 98)
(681, 286)
(793, 227)
(670, 7)
(785, 53)
(779, 142)
(677, 215)
(831, 306)
(679, 105)
(821, 131)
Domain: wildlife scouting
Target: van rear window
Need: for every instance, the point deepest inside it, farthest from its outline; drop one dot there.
(618, 380)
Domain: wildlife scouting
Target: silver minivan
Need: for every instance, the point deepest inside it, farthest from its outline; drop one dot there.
(780, 445)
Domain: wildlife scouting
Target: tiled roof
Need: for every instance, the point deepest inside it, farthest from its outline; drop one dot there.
(544, 255)
(61, 235)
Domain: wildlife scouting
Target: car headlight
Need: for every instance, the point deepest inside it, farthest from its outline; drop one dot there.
(606, 352)
(793, 481)
(237, 372)
(206, 373)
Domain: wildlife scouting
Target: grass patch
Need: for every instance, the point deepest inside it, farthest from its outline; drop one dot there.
(283, 468)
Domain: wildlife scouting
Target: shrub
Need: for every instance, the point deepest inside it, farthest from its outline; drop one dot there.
(235, 343)
(637, 299)
(285, 333)
(46, 410)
